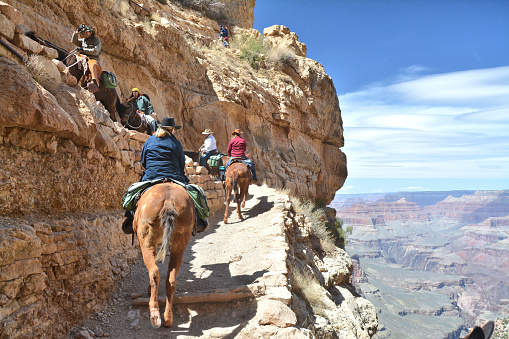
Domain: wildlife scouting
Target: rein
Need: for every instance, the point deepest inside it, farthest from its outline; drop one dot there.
(129, 118)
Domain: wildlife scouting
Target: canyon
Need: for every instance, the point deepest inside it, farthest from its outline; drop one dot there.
(65, 164)
(431, 262)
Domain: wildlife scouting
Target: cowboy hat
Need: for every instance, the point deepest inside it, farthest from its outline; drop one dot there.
(207, 131)
(237, 131)
(169, 122)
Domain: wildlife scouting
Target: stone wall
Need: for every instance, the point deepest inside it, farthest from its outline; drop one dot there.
(56, 270)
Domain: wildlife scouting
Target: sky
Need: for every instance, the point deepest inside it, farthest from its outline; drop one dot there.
(423, 87)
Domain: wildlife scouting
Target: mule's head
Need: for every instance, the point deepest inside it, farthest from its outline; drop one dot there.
(124, 109)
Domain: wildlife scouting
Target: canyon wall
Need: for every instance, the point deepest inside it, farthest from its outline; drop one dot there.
(66, 164)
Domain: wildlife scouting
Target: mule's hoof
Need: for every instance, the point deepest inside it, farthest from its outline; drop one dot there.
(155, 318)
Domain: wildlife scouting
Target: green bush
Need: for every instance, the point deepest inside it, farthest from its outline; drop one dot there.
(339, 234)
(251, 49)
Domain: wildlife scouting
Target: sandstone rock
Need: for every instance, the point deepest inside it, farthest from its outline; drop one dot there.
(27, 44)
(11, 13)
(7, 53)
(49, 53)
(281, 37)
(6, 27)
(276, 313)
(28, 106)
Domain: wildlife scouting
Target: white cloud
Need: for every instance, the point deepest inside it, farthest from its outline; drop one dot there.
(453, 125)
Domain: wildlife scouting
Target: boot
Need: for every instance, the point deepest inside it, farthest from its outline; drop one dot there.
(201, 225)
(127, 225)
(92, 86)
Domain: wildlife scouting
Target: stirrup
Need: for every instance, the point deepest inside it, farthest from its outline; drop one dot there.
(127, 226)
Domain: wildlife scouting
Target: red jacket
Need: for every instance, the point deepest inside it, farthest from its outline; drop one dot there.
(237, 147)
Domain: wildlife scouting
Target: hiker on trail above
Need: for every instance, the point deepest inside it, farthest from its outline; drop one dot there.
(144, 106)
(208, 148)
(223, 33)
(237, 149)
(163, 157)
(89, 46)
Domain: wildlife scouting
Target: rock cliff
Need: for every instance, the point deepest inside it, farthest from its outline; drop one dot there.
(65, 163)
(289, 113)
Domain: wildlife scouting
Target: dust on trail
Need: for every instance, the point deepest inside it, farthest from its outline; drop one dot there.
(224, 256)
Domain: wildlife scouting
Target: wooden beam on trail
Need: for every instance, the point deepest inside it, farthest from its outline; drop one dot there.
(211, 296)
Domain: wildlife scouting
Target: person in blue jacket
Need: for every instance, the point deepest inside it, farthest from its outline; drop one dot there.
(163, 157)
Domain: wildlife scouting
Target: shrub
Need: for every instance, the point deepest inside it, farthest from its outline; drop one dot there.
(339, 234)
(318, 223)
(36, 66)
(308, 287)
(251, 49)
(282, 57)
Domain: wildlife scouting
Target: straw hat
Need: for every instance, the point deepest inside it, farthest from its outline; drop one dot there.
(207, 131)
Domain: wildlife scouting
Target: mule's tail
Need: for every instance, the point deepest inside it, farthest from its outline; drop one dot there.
(167, 215)
(235, 182)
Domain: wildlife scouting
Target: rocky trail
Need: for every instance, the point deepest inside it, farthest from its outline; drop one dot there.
(224, 257)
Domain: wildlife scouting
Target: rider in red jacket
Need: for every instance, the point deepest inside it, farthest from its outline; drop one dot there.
(237, 149)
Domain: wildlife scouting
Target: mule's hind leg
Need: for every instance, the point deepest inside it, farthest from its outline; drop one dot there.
(238, 196)
(154, 277)
(177, 253)
(227, 203)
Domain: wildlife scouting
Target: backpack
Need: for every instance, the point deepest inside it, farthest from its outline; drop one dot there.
(109, 79)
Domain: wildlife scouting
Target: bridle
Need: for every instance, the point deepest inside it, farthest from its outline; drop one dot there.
(129, 117)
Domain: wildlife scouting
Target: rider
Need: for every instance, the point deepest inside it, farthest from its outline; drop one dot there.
(89, 45)
(223, 33)
(143, 106)
(163, 157)
(237, 149)
(208, 148)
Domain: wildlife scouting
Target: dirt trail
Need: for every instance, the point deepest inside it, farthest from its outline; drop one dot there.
(224, 256)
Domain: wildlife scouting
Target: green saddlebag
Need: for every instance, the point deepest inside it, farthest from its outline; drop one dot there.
(109, 79)
(200, 200)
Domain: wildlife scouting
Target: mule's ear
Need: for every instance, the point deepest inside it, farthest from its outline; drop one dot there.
(122, 96)
(477, 333)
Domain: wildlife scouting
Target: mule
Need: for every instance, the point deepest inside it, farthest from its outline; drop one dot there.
(131, 119)
(238, 178)
(165, 217)
(107, 96)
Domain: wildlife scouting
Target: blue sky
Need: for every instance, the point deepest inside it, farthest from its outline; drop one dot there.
(423, 87)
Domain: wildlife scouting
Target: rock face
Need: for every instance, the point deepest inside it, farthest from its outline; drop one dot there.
(281, 37)
(291, 119)
(66, 164)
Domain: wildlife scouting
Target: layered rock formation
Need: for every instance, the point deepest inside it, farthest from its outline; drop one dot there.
(455, 247)
(66, 164)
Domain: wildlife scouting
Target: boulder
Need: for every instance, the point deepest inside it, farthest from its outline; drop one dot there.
(281, 37)
(11, 13)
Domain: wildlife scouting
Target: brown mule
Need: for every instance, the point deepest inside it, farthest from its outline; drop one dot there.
(238, 178)
(132, 119)
(165, 217)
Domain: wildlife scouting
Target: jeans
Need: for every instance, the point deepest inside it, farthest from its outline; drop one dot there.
(252, 165)
(206, 156)
(151, 121)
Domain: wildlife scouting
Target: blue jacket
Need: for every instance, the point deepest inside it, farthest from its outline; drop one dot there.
(163, 158)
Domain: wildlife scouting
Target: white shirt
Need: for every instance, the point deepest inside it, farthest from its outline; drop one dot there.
(209, 144)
